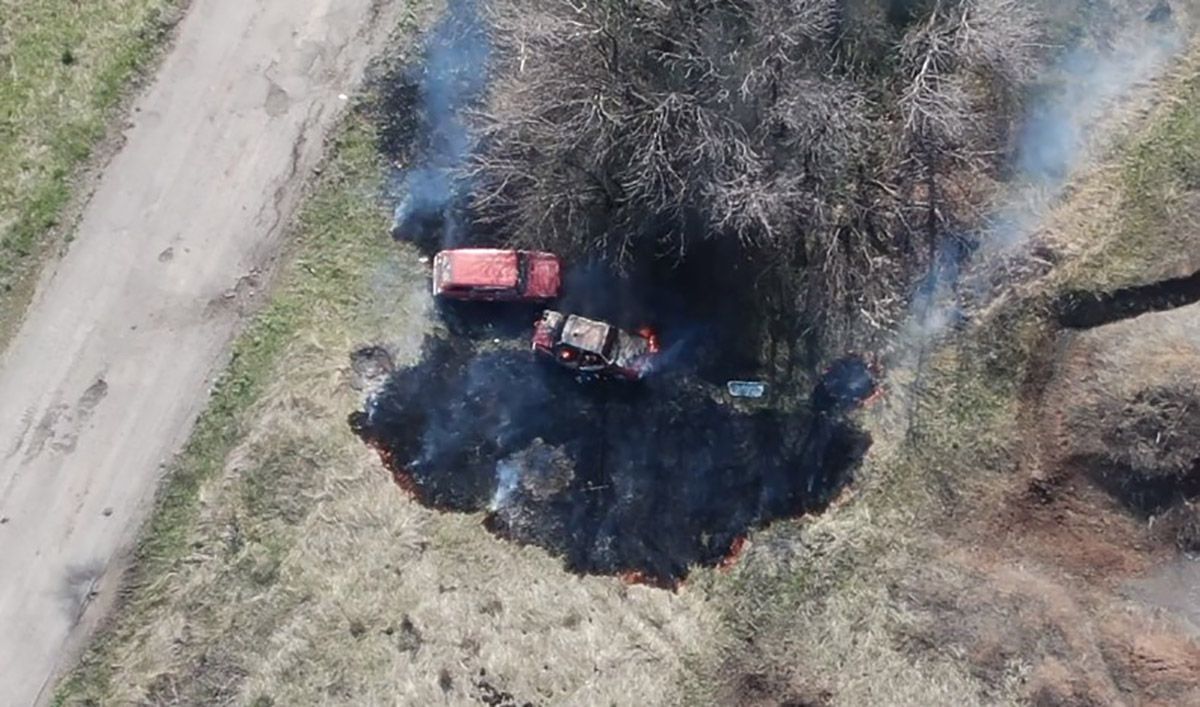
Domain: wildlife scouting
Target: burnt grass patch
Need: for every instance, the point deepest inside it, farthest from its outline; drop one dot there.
(1088, 310)
(1146, 497)
(642, 480)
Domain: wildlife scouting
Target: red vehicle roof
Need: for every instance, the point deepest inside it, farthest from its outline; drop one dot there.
(483, 267)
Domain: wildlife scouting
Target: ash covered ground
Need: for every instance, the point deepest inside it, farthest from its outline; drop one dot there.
(645, 479)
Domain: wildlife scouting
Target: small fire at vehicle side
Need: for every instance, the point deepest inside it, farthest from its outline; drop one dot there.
(847, 382)
(644, 482)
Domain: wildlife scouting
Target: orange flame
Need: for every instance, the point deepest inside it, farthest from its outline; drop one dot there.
(651, 338)
(647, 580)
(736, 549)
(400, 475)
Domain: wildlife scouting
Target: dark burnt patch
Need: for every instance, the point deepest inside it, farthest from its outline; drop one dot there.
(488, 321)
(1088, 310)
(639, 480)
(1144, 496)
(423, 129)
(396, 115)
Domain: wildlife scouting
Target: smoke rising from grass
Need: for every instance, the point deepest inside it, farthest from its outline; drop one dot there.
(1087, 81)
(1066, 109)
(452, 76)
(1084, 85)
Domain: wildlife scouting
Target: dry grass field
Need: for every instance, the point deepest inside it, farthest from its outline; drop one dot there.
(283, 567)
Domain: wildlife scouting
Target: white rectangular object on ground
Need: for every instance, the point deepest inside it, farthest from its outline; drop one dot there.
(746, 389)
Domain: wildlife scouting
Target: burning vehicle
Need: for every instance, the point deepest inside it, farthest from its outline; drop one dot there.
(594, 348)
(494, 275)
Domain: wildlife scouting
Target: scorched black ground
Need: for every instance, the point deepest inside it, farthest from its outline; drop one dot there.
(646, 479)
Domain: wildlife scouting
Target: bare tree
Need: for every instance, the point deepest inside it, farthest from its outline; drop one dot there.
(826, 133)
(959, 66)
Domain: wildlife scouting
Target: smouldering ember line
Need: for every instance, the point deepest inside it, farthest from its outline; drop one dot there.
(649, 580)
(738, 547)
(401, 476)
(359, 423)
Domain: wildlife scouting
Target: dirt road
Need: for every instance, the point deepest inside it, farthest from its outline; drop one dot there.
(112, 364)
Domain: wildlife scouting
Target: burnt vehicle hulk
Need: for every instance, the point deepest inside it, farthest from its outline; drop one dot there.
(594, 348)
(492, 275)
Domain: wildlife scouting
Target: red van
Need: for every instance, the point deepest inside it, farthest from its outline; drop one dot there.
(493, 275)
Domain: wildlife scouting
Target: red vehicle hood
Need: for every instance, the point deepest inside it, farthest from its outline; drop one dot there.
(545, 276)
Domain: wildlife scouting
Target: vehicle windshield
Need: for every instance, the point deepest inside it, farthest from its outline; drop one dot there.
(522, 270)
(610, 343)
